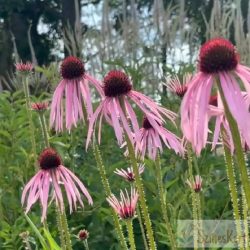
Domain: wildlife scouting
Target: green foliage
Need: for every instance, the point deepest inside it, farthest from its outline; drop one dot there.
(17, 166)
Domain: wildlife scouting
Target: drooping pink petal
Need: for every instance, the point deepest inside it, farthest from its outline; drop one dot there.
(82, 187)
(236, 104)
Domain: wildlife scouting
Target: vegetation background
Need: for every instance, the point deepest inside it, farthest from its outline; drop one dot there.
(149, 39)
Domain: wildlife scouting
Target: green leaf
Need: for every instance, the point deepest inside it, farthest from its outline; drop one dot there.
(52, 242)
(38, 234)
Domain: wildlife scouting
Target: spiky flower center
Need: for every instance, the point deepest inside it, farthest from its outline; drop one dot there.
(130, 176)
(213, 100)
(72, 68)
(49, 159)
(197, 187)
(39, 106)
(116, 83)
(24, 67)
(181, 90)
(146, 124)
(218, 55)
(128, 212)
(83, 234)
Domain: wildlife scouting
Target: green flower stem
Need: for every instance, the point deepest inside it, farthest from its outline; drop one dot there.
(233, 192)
(142, 199)
(60, 226)
(129, 224)
(198, 204)
(107, 190)
(195, 220)
(240, 159)
(86, 245)
(142, 228)
(163, 202)
(25, 81)
(245, 212)
(66, 230)
(190, 161)
(44, 129)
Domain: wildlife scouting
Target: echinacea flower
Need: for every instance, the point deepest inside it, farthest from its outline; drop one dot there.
(53, 175)
(126, 206)
(218, 59)
(128, 173)
(151, 137)
(39, 106)
(24, 68)
(75, 87)
(83, 234)
(196, 184)
(178, 87)
(117, 110)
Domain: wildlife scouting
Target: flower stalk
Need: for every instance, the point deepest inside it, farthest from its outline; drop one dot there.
(65, 229)
(142, 199)
(129, 224)
(138, 212)
(163, 202)
(107, 190)
(44, 129)
(240, 159)
(86, 245)
(245, 212)
(25, 81)
(233, 192)
(195, 220)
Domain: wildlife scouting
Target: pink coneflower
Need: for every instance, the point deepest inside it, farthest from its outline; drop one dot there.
(83, 234)
(54, 174)
(128, 173)
(177, 87)
(75, 87)
(217, 59)
(151, 136)
(195, 184)
(24, 68)
(39, 106)
(117, 110)
(125, 208)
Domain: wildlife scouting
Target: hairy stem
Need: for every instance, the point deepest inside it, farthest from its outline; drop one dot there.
(131, 238)
(142, 228)
(60, 227)
(163, 202)
(107, 190)
(66, 230)
(233, 193)
(44, 129)
(195, 220)
(86, 245)
(240, 159)
(25, 80)
(142, 199)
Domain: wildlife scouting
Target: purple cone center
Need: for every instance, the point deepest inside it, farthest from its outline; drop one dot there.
(49, 159)
(72, 68)
(116, 83)
(218, 55)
